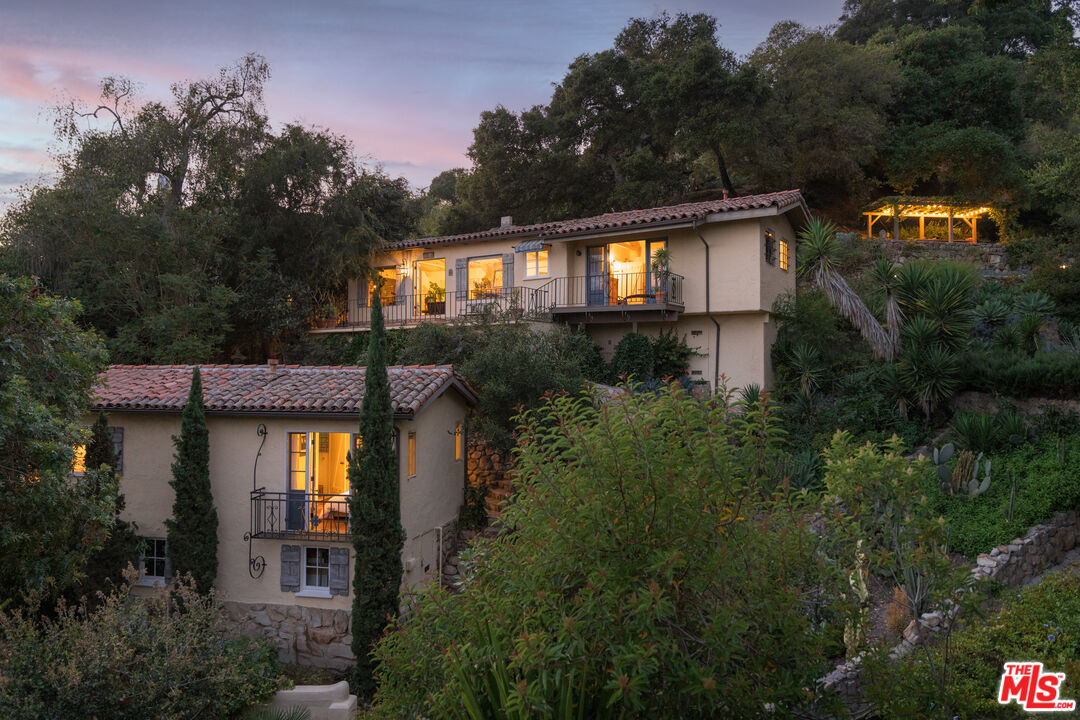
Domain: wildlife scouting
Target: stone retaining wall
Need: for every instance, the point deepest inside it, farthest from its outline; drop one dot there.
(303, 635)
(485, 464)
(1014, 564)
(989, 256)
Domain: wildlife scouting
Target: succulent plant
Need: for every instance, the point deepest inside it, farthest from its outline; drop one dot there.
(962, 480)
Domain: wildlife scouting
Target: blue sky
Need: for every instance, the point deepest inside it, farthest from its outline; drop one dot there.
(406, 82)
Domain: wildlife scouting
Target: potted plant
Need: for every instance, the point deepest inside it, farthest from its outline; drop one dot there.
(328, 315)
(435, 300)
(660, 273)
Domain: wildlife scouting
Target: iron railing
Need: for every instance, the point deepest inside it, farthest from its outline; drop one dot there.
(299, 515)
(628, 291)
(409, 310)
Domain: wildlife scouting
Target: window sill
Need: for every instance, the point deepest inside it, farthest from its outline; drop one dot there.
(536, 277)
(314, 593)
(151, 581)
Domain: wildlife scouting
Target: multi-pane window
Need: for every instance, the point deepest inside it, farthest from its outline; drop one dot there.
(387, 284)
(153, 559)
(412, 454)
(459, 440)
(770, 247)
(783, 255)
(536, 263)
(316, 567)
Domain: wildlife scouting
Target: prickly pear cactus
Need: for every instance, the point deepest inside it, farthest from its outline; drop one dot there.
(941, 462)
(976, 487)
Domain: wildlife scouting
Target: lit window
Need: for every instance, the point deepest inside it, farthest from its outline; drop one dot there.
(458, 438)
(783, 255)
(153, 561)
(485, 278)
(389, 282)
(770, 247)
(317, 568)
(536, 263)
(78, 465)
(412, 454)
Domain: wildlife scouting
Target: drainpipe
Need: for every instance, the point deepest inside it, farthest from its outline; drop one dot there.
(708, 310)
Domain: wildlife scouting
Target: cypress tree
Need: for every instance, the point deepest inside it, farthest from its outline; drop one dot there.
(192, 530)
(375, 513)
(105, 568)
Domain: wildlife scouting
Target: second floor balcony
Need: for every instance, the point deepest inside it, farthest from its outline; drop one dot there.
(614, 297)
(299, 515)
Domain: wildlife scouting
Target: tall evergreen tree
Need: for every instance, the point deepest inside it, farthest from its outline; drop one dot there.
(105, 568)
(374, 512)
(192, 530)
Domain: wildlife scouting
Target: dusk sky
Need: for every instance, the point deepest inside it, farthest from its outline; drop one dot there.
(405, 82)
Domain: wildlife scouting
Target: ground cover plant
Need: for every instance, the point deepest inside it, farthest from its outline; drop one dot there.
(652, 567)
(1039, 623)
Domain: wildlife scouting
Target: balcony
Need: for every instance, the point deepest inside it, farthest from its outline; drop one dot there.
(297, 515)
(616, 297)
(411, 310)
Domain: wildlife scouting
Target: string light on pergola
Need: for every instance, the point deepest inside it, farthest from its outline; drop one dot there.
(910, 208)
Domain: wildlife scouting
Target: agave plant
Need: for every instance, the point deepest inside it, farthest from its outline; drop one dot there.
(992, 312)
(1035, 303)
(818, 264)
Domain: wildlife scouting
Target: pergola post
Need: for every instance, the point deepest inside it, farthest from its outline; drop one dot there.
(922, 228)
(950, 224)
(974, 228)
(869, 226)
(896, 222)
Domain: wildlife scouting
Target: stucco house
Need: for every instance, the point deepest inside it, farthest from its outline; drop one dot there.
(726, 263)
(278, 442)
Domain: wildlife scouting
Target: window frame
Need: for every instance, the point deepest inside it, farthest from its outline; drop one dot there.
(783, 259)
(547, 263)
(314, 591)
(459, 440)
(495, 291)
(410, 452)
(145, 579)
(770, 248)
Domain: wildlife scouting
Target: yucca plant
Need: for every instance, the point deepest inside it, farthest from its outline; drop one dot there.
(928, 376)
(975, 431)
(883, 274)
(1029, 327)
(818, 265)
(751, 394)
(805, 361)
(1007, 338)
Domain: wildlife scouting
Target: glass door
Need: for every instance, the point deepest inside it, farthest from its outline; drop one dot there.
(656, 280)
(596, 276)
(296, 491)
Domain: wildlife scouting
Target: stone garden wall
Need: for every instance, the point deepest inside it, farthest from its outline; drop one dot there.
(1014, 564)
(303, 635)
(988, 256)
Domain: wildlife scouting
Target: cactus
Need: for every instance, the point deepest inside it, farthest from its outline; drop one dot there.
(964, 478)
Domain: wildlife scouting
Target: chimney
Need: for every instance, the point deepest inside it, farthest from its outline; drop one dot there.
(272, 363)
(725, 194)
(506, 221)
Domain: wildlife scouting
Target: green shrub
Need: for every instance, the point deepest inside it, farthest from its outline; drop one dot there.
(643, 558)
(1012, 373)
(671, 355)
(1047, 476)
(131, 657)
(634, 357)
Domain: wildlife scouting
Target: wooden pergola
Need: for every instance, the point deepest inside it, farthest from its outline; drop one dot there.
(908, 208)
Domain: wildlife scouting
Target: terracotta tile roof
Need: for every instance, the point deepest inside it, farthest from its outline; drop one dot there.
(255, 389)
(615, 220)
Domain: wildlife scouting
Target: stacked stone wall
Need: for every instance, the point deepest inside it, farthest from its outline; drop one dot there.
(302, 635)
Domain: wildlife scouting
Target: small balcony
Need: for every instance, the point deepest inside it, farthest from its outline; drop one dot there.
(616, 297)
(411, 310)
(298, 515)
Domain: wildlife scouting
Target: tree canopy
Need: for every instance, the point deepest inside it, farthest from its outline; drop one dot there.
(972, 98)
(190, 230)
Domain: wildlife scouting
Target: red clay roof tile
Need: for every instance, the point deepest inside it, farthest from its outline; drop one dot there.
(256, 389)
(609, 221)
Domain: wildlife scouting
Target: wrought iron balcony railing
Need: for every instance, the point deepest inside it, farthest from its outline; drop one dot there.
(408, 310)
(625, 291)
(299, 515)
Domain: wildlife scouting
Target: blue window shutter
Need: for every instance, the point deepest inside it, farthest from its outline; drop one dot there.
(339, 571)
(508, 270)
(461, 277)
(290, 568)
